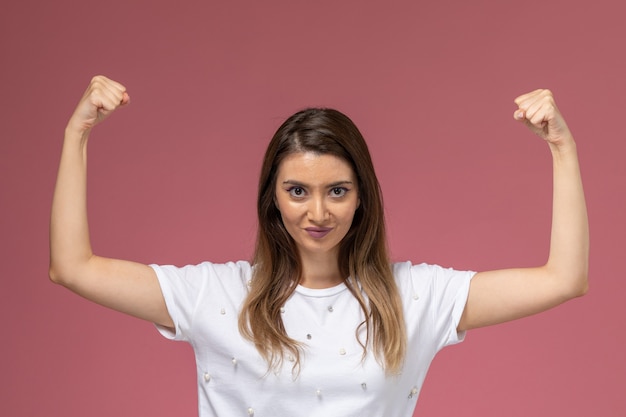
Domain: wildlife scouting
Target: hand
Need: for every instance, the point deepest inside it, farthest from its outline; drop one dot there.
(538, 111)
(100, 99)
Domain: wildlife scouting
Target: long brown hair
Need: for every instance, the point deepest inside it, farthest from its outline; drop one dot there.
(363, 257)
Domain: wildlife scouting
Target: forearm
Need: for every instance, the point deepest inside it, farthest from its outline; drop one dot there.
(70, 246)
(569, 244)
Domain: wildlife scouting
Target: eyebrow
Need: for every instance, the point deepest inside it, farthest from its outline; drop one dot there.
(331, 185)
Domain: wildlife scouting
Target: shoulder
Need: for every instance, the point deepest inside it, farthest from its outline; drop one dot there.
(424, 276)
(207, 268)
(405, 270)
(239, 271)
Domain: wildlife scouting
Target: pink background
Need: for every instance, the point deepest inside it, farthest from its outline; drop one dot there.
(173, 176)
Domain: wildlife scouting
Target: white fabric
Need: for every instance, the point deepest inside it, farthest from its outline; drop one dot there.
(204, 302)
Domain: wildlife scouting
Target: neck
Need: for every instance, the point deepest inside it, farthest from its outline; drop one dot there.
(320, 271)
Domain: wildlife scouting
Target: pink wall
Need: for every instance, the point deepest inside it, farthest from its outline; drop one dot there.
(172, 177)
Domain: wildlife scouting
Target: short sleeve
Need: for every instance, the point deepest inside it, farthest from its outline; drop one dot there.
(190, 289)
(434, 299)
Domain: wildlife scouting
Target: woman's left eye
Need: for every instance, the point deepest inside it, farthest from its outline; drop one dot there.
(338, 192)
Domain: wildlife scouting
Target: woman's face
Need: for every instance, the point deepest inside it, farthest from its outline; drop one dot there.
(317, 195)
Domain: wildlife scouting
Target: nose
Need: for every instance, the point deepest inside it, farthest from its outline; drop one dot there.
(317, 210)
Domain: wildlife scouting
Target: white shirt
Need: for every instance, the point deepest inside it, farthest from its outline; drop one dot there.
(233, 380)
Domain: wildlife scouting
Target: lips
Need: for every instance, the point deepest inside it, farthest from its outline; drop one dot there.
(318, 232)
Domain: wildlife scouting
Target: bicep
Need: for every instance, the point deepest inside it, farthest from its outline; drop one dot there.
(128, 287)
(509, 294)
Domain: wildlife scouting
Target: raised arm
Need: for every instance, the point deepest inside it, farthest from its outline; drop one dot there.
(499, 296)
(125, 286)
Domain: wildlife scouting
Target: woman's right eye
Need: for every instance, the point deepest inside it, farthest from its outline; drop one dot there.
(296, 192)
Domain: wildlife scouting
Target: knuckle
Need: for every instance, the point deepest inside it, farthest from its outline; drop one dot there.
(547, 95)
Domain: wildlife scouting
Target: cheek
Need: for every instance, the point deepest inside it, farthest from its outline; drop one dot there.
(347, 215)
(289, 212)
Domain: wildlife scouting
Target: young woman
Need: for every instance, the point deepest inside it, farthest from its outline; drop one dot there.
(320, 323)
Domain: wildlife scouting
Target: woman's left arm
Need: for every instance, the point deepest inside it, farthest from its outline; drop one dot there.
(509, 294)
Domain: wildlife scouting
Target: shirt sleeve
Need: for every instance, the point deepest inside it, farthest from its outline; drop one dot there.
(434, 299)
(188, 291)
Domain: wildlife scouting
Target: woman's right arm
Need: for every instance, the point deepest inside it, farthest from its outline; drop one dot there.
(128, 287)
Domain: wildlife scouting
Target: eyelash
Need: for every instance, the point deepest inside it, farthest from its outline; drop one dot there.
(343, 190)
(292, 192)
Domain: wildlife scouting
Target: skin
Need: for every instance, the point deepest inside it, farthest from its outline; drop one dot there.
(129, 287)
(494, 297)
(499, 296)
(317, 192)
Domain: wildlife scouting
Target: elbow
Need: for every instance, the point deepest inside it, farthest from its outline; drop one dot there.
(59, 274)
(579, 287)
(584, 288)
(583, 281)
(54, 274)
(569, 283)
(69, 272)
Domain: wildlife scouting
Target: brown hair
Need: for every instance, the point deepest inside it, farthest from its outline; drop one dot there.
(363, 258)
